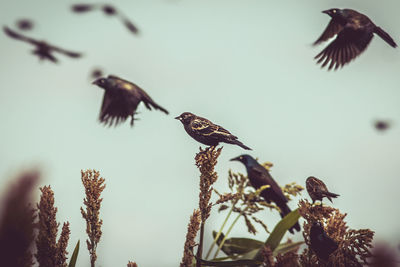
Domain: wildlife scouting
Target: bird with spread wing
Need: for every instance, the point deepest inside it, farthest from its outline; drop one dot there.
(121, 99)
(42, 49)
(354, 32)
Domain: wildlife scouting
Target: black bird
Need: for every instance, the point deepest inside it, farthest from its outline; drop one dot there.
(354, 33)
(382, 125)
(318, 190)
(206, 132)
(42, 49)
(121, 99)
(108, 10)
(320, 242)
(24, 24)
(260, 176)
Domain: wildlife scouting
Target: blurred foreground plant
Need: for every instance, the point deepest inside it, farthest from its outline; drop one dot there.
(16, 221)
(94, 185)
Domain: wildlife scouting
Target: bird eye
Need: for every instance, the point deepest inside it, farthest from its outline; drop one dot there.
(334, 11)
(240, 158)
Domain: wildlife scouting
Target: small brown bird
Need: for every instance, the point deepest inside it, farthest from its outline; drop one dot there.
(121, 99)
(206, 132)
(43, 50)
(354, 32)
(318, 190)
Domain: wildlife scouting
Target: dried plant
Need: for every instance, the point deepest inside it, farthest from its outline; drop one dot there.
(132, 264)
(289, 259)
(17, 221)
(206, 161)
(268, 258)
(94, 185)
(193, 228)
(353, 245)
(49, 252)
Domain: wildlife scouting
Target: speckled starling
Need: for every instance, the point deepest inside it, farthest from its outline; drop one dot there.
(318, 190)
(206, 132)
(260, 176)
(354, 33)
(121, 99)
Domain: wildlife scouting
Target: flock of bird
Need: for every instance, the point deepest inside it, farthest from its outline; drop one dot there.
(354, 32)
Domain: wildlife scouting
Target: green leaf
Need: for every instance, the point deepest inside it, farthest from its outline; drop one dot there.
(287, 247)
(74, 256)
(279, 231)
(229, 263)
(238, 246)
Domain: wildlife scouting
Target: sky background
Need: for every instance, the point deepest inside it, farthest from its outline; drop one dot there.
(246, 65)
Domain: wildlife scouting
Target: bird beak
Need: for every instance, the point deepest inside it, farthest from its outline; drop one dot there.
(235, 159)
(95, 82)
(178, 118)
(326, 12)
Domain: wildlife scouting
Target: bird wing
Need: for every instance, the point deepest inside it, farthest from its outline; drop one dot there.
(330, 31)
(65, 52)
(20, 37)
(116, 107)
(349, 43)
(259, 176)
(207, 128)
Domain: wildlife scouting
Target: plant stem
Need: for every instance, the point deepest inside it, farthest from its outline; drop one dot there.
(227, 233)
(220, 231)
(200, 247)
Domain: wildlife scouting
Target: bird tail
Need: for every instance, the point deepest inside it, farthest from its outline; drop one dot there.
(155, 105)
(385, 36)
(329, 195)
(286, 210)
(237, 142)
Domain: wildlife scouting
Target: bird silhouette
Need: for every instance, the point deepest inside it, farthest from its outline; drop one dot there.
(108, 10)
(260, 176)
(320, 242)
(42, 49)
(354, 33)
(206, 132)
(318, 190)
(121, 99)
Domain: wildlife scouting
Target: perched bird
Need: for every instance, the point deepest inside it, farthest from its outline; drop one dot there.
(321, 243)
(121, 99)
(258, 177)
(354, 33)
(317, 189)
(42, 49)
(206, 132)
(108, 10)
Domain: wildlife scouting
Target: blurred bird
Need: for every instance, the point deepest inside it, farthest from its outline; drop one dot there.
(24, 24)
(206, 132)
(121, 99)
(382, 125)
(108, 10)
(320, 242)
(42, 49)
(96, 73)
(258, 177)
(354, 33)
(318, 190)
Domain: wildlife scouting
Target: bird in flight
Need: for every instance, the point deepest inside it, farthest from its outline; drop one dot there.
(320, 242)
(259, 176)
(121, 99)
(354, 32)
(108, 10)
(317, 190)
(42, 49)
(206, 132)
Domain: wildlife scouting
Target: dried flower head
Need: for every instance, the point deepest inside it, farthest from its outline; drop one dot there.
(17, 221)
(49, 251)
(132, 264)
(268, 258)
(193, 228)
(94, 185)
(353, 245)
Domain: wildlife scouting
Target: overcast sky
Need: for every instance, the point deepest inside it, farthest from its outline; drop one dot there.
(246, 65)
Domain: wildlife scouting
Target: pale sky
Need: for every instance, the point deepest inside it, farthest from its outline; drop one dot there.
(246, 65)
